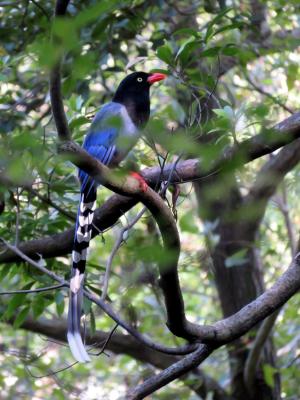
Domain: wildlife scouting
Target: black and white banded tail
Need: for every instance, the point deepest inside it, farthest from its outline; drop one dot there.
(83, 232)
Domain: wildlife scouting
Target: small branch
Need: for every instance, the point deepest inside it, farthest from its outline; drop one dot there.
(17, 237)
(51, 203)
(105, 307)
(106, 341)
(116, 248)
(268, 178)
(41, 8)
(267, 94)
(176, 370)
(35, 264)
(44, 289)
(282, 203)
(256, 350)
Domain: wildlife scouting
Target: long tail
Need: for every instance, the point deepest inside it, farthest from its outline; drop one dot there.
(82, 239)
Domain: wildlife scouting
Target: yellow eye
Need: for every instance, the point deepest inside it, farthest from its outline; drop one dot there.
(140, 79)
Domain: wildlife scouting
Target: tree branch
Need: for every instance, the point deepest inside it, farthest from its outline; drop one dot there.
(170, 374)
(58, 111)
(126, 344)
(256, 350)
(185, 349)
(186, 171)
(268, 178)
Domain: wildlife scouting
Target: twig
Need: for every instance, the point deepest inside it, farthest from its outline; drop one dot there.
(41, 8)
(267, 94)
(17, 238)
(115, 249)
(44, 289)
(51, 203)
(284, 208)
(256, 350)
(106, 341)
(34, 263)
(52, 373)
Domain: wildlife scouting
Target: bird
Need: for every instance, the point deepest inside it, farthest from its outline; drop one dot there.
(114, 131)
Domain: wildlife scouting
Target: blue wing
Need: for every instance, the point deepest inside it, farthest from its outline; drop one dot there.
(100, 141)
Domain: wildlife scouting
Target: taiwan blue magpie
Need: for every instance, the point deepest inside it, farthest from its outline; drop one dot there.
(113, 132)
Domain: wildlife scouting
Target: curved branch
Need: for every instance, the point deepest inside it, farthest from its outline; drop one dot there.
(169, 281)
(57, 105)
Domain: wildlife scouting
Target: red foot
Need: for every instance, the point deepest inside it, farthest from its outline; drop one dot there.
(142, 183)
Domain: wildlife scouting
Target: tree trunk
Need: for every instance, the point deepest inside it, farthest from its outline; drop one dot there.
(220, 202)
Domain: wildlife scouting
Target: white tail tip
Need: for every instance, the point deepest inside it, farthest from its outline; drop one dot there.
(77, 348)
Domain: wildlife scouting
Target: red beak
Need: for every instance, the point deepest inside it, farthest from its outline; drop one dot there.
(156, 77)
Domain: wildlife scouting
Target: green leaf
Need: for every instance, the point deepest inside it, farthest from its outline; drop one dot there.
(165, 54)
(292, 75)
(211, 52)
(92, 321)
(234, 25)
(210, 28)
(187, 223)
(187, 31)
(78, 121)
(60, 302)
(4, 271)
(21, 317)
(90, 14)
(226, 113)
(184, 45)
(237, 259)
(230, 49)
(269, 372)
(38, 305)
(86, 305)
(15, 302)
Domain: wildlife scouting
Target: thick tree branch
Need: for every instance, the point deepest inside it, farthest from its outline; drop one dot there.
(170, 374)
(189, 170)
(126, 344)
(55, 86)
(239, 322)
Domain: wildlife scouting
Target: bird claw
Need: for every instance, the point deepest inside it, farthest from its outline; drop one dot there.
(142, 183)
